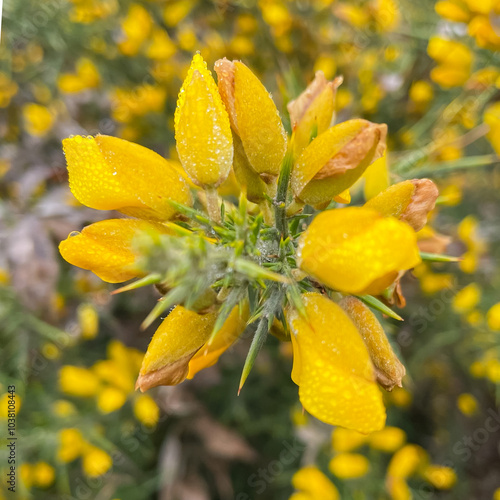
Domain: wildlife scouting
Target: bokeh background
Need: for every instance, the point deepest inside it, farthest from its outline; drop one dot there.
(429, 70)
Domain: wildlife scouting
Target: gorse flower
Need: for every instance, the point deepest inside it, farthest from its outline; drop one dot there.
(279, 267)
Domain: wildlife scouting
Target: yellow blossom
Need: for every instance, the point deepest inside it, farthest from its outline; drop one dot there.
(6, 401)
(389, 439)
(313, 485)
(454, 62)
(88, 320)
(492, 119)
(344, 440)
(86, 77)
(349, 465)
(467, 404)
(78, 381)
(110, 399)
(96, 461)
(407, 461)
(38, 119)
(441, 477)
(332, 367)
(179, 338)
(202, 130)
(467, 298)
(376, 177)
(493, 317)
(335, 159)
(339, 245)
(43, 474)
(71, 445)
(146, 410)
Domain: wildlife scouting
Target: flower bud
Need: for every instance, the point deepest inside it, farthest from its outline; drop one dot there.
(254, 117)
(313, 111)
(388, 368)
(202, 129)
(336, 159)
(410, 201)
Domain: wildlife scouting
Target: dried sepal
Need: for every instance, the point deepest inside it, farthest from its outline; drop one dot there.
(388, 368)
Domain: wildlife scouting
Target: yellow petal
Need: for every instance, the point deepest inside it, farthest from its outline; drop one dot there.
(181, 337)
(254, 116)
(176, 341)
(106, 248)
(313, 110)
(336, 377)
(108, 173)
(388, 368)
(376, 177)
(313, 485)
(356, 250)
(336, 159)
(410, 201)
(209, 355)
(202, 129)
(349, 465)
(344, 197)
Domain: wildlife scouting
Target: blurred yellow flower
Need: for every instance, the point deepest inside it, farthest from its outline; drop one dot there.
(110, 399)
(467, 404)
(96, 461)
(38, 119)
(146, 410)
(78, 381)
(349, 465)
(86, 77)
(71, 445)
(88, 320)
(441, 477)
(63, 408)
(454, 62)
(43, 474)
(389, 439)
(493, 317)
(313, 485)
(344, 440)
(407, 461)
(467, 298)
(4, 405)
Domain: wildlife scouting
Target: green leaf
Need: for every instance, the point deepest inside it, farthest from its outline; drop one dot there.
(252, 270)
(150, 279)
(371, 301)
(258, 341)
(435, 257)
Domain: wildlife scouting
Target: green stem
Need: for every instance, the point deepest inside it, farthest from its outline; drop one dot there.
(281, 194)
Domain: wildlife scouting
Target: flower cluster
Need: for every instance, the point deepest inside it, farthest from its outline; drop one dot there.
(286, 258)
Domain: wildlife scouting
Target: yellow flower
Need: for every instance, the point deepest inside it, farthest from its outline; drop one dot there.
(136, 28)
(389, 439)
(496, 494)
(43, 474)
(453, 10)
(467, 404)
(63, 408)
(179, 347)
(410, 201)
(71, 445)
(110, 163)
(454, 62)
(336, 159)
(88, 319)
(8, 89)
(332, 367)
(38, 119)
(344, 440)
(349, 465)
(202, 130)
(493, 317)
(78, 381)
(356, 250)
(4, 405)
(96, 462)
(492, 119)
(313, 111)
(313, 485)
(421, 92)
(407, 461)
(376, 177)
(441, 477)
(467, 298)
(253, 116)
(86, 77)
(110, 399)
(146, 410)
